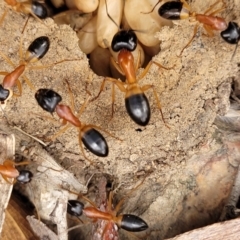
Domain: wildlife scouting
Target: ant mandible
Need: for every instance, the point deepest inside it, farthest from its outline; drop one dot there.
(136, 102)
(34, 8)
(8, 171)
(128, 222)
(232, 35)
(88, 133)
(177, 10)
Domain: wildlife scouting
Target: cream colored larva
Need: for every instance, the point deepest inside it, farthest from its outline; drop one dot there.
(145, 25)
(106, 28)
(86, 6)
(88, 36)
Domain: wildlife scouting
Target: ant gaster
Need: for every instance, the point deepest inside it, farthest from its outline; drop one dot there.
(88, 135)
(176, 10)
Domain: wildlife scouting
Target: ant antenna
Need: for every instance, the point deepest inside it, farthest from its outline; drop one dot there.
(235, 50)
(25, 24)
(110, 16)
(4, 114)
(152, 9)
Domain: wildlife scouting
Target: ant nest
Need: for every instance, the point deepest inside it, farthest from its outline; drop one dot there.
(191, 161)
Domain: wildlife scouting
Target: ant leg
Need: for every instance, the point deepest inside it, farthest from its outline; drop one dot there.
(6, 179)
(194, 34)
(22, 163)
(145, 88)
(60, 132)
(101, 129)
(153, 8)
(117, 66)
(212, 6)
(117, 208)
(146, 69)
(7, 60)
(119, 84)
(209, 31)
(83, 107)
(82, 150)
(28, 82)
(138, 61)
(19, 86)
(113, 99)
(53, 64)
(3, 16)
(186, 5)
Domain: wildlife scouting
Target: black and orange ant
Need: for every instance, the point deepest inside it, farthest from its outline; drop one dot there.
(88, 133)
(232, 35)
(137, 105)
(109, 215)
(177, 10)
(8, 171)
(29, 7)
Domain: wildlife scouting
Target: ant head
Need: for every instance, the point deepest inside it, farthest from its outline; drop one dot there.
(124, 40)
(75, 208)
(24, 177)
(37, 49)
(47, 99)
(232, 33)
(4, 93)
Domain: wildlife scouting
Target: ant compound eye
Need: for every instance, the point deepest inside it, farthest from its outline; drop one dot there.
(124, 40)
(48, 99)
(24, 177)
(4, 93)
(75, 208)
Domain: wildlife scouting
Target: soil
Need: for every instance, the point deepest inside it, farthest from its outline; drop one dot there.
(191, 164)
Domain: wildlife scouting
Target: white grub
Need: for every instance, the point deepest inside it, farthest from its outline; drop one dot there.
(87, 36)
(83, 5)
(145, 24)
(106, 28)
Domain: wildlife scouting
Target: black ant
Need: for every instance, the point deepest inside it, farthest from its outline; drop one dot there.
(88, 135)
(34, 8)
(136, 102)
(232, 35)
(108, 215)
(177, 10)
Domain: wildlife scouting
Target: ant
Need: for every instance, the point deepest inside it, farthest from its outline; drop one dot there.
(175, 10)
(34, 8)
(137, 105)
(36, 50)
(106, 213)
(136, 102)
(88, 133)
(8, 171)
(232, 35)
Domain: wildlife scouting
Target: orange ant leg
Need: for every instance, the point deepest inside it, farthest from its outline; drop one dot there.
(3, 16)
(213, 5)
(101, 129)
(60, 132)
(194, 34)
(146, 69)
(113, 99)
(82, 150)
(117, 208)
(145, 88)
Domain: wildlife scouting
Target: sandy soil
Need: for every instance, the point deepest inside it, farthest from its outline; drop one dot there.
(190, 162)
